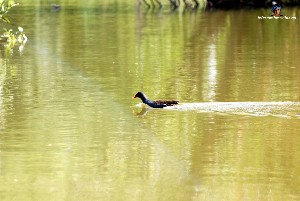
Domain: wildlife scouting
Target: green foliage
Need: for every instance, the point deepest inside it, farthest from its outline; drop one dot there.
(9, 35)
(12, 37)
(5, 6)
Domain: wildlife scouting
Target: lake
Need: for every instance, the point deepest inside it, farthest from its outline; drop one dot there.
(70, 130)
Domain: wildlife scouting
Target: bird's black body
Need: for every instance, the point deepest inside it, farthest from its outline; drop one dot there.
(56, 7)
(157, 103)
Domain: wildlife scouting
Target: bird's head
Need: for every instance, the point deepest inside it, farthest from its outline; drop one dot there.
(139, 95)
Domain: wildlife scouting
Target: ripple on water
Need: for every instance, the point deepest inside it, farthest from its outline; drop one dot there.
(278, 109)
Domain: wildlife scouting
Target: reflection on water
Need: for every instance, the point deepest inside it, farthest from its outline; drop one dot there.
(67, 130)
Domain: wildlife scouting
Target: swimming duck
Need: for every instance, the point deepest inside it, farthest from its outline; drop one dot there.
(157, 103)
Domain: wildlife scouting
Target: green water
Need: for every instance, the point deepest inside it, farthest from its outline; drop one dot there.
(69, 129)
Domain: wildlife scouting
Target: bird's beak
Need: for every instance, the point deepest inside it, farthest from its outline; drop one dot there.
(133, 97)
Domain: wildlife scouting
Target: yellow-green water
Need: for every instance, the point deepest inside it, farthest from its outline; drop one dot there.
(69, 129)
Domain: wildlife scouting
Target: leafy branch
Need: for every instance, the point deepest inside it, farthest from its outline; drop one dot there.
(9, 35)
(5, 6)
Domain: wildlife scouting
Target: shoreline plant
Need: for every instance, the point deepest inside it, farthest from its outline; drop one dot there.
(9, 35)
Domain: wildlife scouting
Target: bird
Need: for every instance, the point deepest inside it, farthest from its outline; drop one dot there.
(157, 103)
(55, 7)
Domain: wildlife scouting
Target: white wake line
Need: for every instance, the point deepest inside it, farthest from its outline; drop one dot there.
(284, 109)
(236, 105)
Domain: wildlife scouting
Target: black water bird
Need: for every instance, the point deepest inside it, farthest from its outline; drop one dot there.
(156, 103)
(55, 7)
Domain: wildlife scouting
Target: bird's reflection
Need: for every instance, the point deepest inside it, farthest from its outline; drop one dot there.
(142, 112)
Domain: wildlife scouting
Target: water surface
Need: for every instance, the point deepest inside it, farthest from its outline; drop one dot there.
(69, 129)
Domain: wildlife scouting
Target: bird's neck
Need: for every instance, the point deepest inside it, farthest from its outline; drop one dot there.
(145, 99)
